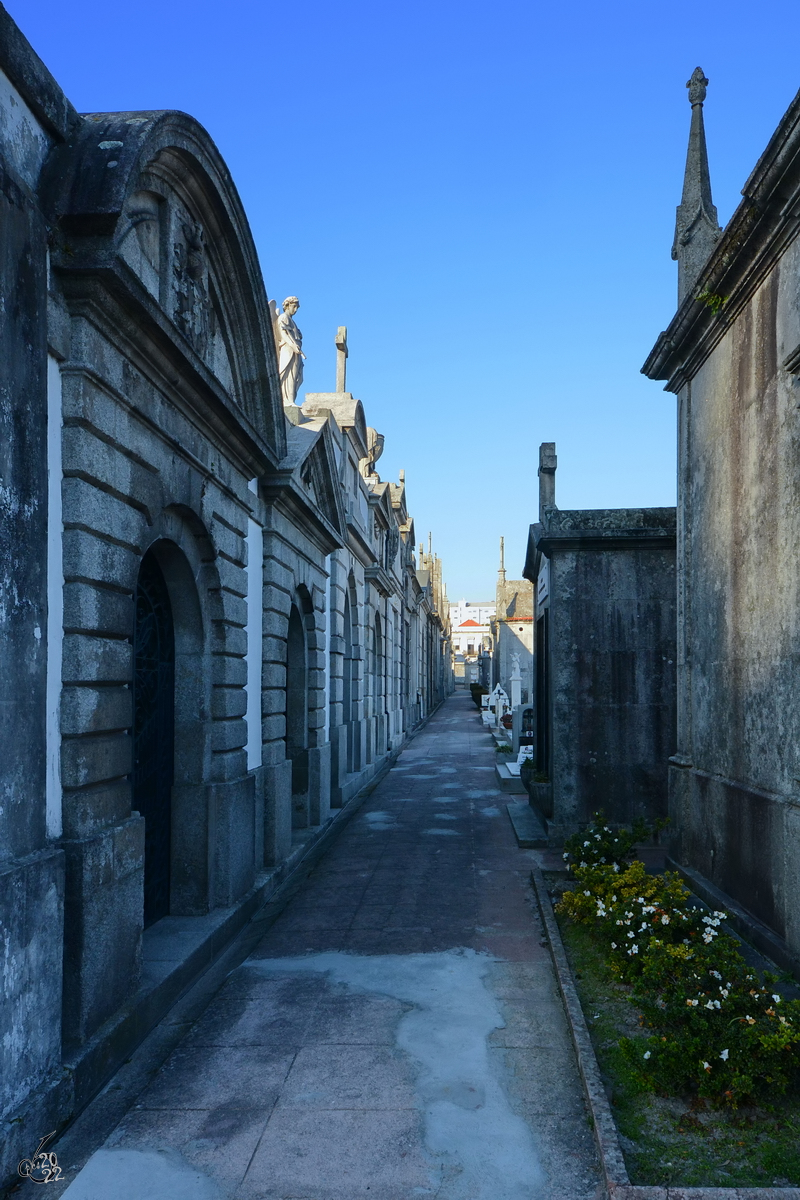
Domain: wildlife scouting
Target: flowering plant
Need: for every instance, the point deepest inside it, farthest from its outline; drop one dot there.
(600, 845)
(716, 1026)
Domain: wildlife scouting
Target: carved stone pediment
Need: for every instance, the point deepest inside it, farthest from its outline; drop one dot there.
(191, 305)
(151, 190)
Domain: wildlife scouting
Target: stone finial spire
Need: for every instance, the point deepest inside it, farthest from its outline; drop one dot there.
(697, 229)
(501, 574)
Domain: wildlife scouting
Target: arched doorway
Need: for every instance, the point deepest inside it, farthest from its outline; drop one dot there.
(154, 731)
(297, 703)
(349, 677)
(379, 666)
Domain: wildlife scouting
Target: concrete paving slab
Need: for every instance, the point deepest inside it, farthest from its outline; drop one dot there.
(353, 1155)
(217, 1142)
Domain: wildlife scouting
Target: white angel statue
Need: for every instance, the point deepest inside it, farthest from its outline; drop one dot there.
(288, 344)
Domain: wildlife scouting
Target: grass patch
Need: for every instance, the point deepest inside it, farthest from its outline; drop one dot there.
(676, 1141)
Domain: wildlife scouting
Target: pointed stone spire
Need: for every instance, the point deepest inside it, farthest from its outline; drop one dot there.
(501, 574)
(697, 229)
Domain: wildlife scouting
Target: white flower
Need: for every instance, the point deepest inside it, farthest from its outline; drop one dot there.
(613, 945)
(587, 893)
(777, 999)
(724, 1055)
(706, 1066)
(587, 843)
(597, 837)
(665, 919)
(634, 950)
(646, 1054)
(613, 897)
(616, 866)
(716, 974)
(565, 856)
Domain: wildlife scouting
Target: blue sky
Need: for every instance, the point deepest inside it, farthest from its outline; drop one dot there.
(483, 193)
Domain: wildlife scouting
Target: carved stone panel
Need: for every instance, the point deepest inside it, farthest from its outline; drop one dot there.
(192, 306)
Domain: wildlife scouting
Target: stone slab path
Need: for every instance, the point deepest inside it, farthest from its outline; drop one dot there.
(397, 1033)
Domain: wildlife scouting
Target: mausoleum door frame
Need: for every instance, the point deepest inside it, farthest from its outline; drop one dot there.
(300, 627)
(184, 554)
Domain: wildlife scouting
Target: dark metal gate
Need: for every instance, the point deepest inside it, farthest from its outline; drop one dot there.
(153, 731)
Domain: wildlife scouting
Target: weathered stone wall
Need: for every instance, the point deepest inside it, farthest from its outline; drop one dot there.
(34, 116)
(612, 655)
(606, 677)
(295, 575)
(131, 484)
(735, 796)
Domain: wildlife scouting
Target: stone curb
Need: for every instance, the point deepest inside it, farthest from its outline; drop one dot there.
(615, 1175)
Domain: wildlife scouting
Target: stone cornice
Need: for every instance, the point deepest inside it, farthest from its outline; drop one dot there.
(381, 580)
(33, 81)
(764, 224)
(281, 489)
(601, 529)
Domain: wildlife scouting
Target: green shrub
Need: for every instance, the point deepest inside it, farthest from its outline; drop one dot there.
(716, 1027)
(528, 772)
(599, 843)
(477, 690)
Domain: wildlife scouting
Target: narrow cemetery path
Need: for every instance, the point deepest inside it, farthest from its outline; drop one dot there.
(396, 1034)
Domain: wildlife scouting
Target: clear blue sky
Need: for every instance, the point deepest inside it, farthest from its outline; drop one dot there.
(483, 193)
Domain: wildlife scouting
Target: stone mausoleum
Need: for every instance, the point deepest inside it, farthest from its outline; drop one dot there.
(604, 658)
(214, 628)
(731, 356)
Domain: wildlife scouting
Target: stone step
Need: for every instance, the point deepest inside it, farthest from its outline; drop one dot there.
(507, 781)
(529, 830)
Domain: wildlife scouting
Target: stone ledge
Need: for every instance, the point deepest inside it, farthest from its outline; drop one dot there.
(615, 1175)
(765, 940)
(507, 781)
(528, 829)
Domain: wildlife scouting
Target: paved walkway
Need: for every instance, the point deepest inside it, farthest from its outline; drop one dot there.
(396, 1034)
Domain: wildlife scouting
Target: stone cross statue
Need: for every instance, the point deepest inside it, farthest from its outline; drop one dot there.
(290, 353)
(516, 682)
(341, 358)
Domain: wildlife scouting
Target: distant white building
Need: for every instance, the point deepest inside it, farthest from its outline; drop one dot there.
(480, 611)
(471, 637)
